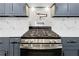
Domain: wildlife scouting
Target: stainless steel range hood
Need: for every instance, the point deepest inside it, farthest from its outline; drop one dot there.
(40, 32)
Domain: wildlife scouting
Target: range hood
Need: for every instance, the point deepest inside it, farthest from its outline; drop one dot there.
(40, 32)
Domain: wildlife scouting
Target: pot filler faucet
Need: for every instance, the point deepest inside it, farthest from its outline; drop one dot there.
(41, 15)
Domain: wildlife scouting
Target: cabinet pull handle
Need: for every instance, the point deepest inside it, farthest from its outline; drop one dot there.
(72, 42)
(6, 53)
(0, 42)
(14, 42)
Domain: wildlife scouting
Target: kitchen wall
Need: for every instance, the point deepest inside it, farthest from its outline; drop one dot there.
(13, 26)
(17, 26)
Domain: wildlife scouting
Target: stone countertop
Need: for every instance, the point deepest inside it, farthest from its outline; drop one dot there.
(19, 33)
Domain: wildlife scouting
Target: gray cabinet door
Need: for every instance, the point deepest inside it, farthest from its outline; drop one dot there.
(71, 52)
(19, 9)
(61, 9)
(8, 9)
(70, 46)
(12, 9)
(17, 47)
(73, 9)
(1, 9)
(2, 50)
(14, 47)
(4, 46)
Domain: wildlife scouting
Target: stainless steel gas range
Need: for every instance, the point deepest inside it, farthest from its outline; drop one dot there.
(40, 38)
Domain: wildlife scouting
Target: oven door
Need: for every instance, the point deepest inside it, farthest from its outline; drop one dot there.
(40, 48)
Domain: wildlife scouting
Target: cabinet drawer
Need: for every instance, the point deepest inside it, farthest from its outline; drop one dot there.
(70, 40)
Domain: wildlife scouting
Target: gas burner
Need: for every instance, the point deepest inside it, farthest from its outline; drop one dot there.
(40, 32)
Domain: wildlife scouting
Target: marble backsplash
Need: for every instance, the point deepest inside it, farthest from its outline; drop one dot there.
(17, 26)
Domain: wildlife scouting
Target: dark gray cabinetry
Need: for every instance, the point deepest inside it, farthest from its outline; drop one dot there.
(70, 46)
(67, 9)
(73, 9)
(9, 46)
(19, 9)
(13, 9)
(8, 9)
(70, 52)
(2, 9)
(4, 46)
(61, 9)
(14, 47)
